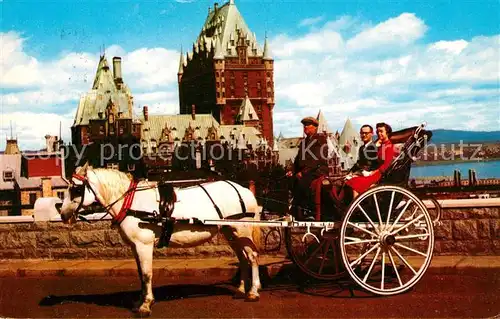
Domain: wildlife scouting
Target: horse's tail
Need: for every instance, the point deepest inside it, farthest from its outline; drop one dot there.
(256, 230)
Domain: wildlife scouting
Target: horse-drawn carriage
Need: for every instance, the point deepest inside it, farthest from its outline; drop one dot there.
(384, 240)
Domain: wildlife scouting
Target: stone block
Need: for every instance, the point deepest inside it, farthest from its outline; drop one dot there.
(31, 226)
(495, 228)
(16, 240)
(11, 253)
(483, 228)
(88, 238)
(113, 239)
(444, 247)
(484, 213)
(174, 252)
(443, 231)
(495, 246)
(93, 225)
(214, 251)
(474, 247)
(465, 229)
(455, 214)
(53, 239)
(68, 253)
(36, 253)
(109, 253)
(5, 228)
(59, 226)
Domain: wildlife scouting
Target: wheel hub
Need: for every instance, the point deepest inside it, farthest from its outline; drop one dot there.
(387, 239)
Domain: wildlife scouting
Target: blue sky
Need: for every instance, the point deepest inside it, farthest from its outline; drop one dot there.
(404, 61)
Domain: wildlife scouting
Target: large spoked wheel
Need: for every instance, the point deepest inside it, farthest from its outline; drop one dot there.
(387, 240)
(316, 255)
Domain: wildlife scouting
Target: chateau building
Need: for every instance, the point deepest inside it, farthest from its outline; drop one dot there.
(106, 110)
(227, 74)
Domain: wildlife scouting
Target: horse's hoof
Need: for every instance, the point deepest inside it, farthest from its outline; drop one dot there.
(144, 312)
(252, 298)
(239, 295)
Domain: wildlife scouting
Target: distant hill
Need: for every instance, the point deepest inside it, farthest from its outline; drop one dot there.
(454, 136)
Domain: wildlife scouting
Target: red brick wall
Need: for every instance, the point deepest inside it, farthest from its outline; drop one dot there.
(43, 166)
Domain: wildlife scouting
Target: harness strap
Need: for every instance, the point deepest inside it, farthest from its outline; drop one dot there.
(127, 203)
(242, 203)
(211, 199)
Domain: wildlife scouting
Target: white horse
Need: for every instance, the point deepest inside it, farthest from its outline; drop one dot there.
(108, 187)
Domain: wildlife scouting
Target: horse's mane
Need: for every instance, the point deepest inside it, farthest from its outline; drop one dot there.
(113, 182)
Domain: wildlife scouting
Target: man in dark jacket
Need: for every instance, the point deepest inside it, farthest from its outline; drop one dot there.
(310, 167)
(367, 154)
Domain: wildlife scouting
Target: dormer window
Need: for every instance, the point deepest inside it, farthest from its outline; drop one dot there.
(8, 176)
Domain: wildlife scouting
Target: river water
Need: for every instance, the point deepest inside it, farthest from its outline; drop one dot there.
(488, 169)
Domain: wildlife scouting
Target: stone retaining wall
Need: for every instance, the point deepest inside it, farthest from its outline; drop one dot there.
(464, 231)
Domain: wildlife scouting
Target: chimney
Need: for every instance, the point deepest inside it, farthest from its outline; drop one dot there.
(145, 112)
(193, 112)
(117, 69)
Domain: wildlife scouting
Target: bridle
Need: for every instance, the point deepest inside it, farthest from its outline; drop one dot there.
(79, 190)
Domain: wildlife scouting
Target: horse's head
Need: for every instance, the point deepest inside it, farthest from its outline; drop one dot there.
(80, 194)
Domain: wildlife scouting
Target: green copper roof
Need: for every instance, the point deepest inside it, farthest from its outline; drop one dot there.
(221, 27)
(104, 93)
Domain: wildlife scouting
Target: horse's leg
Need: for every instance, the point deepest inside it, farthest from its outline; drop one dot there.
(145, 254)
(238, 250)
(139, 271)
(252, 255)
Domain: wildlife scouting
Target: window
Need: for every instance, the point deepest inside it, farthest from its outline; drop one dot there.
(8, 176)
(32, 198)
(258, 85)
(60, 195)
(131, 167)
(101, 130)
(112, 166)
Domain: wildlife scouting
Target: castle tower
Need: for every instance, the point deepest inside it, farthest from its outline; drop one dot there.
(227, 66)
(106, 110)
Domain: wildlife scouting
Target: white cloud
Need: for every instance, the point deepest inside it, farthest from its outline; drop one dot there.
(30, 128)
(402, 30)
(35, 89)
(400, 79)
(311, 21)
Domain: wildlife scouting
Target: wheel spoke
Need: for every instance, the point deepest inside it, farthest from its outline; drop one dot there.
(411, 249)
(383, 271)
(314, 253)
(412, 236)
(362, 229)
(378, 209)
(359, 241)
(403, 260)
(325, 252)
(364, 255)
(367, 217)
(411, 222)
(401, 214)
(371, 265)
(395, 267)
(390, 208)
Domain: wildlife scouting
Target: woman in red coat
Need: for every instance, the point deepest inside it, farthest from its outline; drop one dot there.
(385, 154)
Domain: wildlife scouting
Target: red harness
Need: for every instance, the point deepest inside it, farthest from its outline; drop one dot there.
(127, 203)
(127, 200)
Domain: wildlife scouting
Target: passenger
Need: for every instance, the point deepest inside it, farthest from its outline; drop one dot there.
(368, 170)
(367, 154)
(310, 166)
(385, 155)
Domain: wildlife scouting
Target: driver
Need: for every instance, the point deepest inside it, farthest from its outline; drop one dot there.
(310, 167)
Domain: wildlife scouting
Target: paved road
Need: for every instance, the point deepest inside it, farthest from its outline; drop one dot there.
(467, 295)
